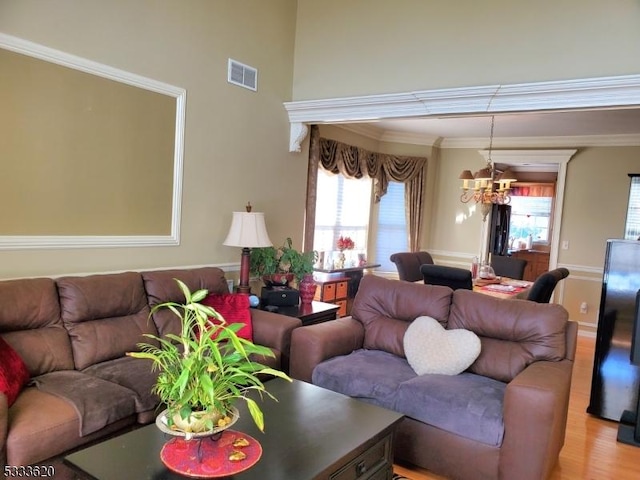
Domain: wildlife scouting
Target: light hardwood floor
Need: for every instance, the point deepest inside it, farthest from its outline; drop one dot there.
(591, 451)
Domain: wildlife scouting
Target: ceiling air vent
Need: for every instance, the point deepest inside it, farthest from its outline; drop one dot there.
(243, 75)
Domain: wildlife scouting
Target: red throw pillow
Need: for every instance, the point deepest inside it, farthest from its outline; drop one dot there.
(13, 372)
(234, 307)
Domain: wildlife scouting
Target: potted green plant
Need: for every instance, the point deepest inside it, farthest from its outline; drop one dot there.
(272, 263)
(206, 368)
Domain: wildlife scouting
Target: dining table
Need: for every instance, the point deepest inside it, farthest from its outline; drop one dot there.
(503, 287)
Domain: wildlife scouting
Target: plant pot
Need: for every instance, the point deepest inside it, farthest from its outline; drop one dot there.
(307, 289)
(196, 422)
(195, 425)
(277, 279)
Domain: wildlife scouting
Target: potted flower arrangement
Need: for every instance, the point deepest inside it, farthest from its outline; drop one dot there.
(343, 243)
(206, 368)
(279, 266)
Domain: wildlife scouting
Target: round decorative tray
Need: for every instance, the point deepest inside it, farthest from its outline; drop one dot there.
(163, 424)
(232, 453)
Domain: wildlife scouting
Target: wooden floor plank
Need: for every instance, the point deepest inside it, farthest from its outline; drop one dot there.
(591, 451)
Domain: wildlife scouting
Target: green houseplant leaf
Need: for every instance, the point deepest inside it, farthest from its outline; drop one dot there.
(207, 367)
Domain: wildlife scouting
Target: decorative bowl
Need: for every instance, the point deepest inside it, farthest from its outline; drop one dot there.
(162, 422)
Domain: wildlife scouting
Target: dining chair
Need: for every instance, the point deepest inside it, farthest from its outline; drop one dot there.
(543, 286)
(510, 267)
(448, 276)
(408, 264)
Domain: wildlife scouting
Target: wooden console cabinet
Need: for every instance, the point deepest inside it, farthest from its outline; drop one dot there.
(340, 286)
(336, 291)
(537, 263)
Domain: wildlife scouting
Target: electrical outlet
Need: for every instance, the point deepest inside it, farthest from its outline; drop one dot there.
(584, 307)
(565, 244)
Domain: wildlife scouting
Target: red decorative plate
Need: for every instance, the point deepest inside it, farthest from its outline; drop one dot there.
(208, 458)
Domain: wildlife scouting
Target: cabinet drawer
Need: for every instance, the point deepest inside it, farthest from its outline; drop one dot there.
(368, 463)
(342, 311)
(341, 289)
(328, 292)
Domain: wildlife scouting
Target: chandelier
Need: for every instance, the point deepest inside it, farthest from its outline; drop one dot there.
(488, 185)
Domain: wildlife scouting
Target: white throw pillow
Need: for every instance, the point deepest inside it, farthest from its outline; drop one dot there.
(430, 348)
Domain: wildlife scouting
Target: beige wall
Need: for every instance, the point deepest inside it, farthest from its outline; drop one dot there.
(236, 140)
(360, 47)
(82, 154)
(596, 198)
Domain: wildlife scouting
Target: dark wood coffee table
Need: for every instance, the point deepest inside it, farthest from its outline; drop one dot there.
(310, 433)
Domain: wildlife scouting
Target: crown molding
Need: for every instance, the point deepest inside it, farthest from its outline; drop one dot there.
(620, 91)
(363, 129)
(576, 141)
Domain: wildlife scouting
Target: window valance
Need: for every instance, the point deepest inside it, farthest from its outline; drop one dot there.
(356, 162)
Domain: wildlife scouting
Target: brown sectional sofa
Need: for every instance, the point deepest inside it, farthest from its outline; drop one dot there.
(502, 418)
(73, 333)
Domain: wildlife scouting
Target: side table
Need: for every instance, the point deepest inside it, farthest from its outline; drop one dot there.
(315, 312)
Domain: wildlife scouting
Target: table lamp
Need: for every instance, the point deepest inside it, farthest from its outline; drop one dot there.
(247, 231)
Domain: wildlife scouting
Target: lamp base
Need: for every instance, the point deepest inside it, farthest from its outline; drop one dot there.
(245, 259)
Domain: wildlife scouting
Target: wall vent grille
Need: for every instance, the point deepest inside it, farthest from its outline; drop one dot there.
(242, 75)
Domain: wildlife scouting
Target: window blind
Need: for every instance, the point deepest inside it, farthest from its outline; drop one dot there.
(392, 226)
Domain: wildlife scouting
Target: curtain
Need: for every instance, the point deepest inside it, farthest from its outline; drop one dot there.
(312, 189)
(356, 162)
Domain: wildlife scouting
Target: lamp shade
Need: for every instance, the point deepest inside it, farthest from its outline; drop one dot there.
(248, 230)
(508, 176)
(484, 174)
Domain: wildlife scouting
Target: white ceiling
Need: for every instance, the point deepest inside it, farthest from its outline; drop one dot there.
(566, 128)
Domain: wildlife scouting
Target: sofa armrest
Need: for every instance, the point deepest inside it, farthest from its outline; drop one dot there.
(313, 344)
(273, 330)
(4, 425)
(535, 419)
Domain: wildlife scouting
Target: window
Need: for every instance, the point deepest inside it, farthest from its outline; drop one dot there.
(632, 225)
(392, 226)
(342, 208)
(530, 216)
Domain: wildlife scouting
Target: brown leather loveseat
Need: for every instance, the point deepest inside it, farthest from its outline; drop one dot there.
(73, 333)
(504, 417)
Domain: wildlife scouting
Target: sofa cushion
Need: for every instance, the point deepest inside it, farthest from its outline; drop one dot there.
(513, 333)
(386, 307)
(161, 287)
(136, 374)
(430, 348)
(55, 431)
(468, 405)
(370, 375)
(105, 315)
(97, 402)
(234, 308)
(13, 372)
(30, 322)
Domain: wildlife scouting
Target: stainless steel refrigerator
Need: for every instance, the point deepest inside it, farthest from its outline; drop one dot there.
(499, 233)
(616, 380)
